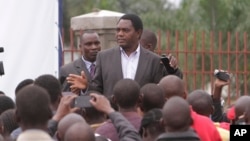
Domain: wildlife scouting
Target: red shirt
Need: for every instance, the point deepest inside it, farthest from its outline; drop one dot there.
(204, 127)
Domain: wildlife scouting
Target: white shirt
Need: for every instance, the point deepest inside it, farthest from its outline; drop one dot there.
(130, 63)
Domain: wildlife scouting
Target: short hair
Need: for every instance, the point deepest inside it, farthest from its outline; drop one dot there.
(66, 122)
(88, 31)
(200, 101)
(149, 37)
(51, 84)
(126, 92)
(151, 121)
(176, 114)
(79, 131)
(136, 21)
(1, 92)
(8, 120)
(152, 97)
(6, 103)
(22, 84)
(33, 105)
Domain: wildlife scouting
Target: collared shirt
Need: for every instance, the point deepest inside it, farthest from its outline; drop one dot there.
(87, 63)
(130, 63)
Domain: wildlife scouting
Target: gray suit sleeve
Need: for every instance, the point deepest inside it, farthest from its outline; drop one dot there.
(125, 130)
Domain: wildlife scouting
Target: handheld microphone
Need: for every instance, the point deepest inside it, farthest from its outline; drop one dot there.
(1, 49)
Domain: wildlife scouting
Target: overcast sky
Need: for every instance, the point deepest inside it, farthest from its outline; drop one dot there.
(175, 2)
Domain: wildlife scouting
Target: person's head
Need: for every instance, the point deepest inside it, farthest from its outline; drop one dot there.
(201, 102)
(22, 84)
(65, 123)
(53, 87)
(7, 118)
(33, 107)
(247, 114)
(176, 115)
(240, 107)
(90, 45)
(150, 125)
(148, 40)
(79, 132)
(126, 93)
(6, 103)
(93, 116)
(172, 86)
(152, 97)
(2, 93)
(128, 31)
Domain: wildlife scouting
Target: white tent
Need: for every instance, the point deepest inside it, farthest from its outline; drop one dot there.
(29, 35)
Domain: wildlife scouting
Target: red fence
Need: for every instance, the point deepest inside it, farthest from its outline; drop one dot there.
(199, 53)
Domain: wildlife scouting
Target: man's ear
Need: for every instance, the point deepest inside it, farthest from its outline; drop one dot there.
(185, 94)
(162, 122)
(58, 136)
(113, 100)
(139, 101)
(139, 33)
(212, 109)
(17, 116)
(144, 132)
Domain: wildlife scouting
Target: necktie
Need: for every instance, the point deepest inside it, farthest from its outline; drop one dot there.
(92, 70)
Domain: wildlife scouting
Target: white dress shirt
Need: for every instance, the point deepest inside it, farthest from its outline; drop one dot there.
(130, 63)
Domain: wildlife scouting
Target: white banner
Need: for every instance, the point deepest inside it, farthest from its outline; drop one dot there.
(29, 35)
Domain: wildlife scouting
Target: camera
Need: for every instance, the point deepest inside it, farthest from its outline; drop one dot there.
(166, 63)
(82, 101)
(224, 76)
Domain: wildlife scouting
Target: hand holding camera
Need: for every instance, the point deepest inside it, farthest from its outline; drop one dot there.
(170, 63)
(222, 75)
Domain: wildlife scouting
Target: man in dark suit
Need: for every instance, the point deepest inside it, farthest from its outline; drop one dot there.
(90, 46)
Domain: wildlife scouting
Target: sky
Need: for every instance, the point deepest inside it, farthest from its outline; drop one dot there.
(175, 2)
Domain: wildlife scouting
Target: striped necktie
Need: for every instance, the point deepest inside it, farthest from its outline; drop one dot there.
(92, 70)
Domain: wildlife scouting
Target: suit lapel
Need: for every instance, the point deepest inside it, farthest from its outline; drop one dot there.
(81, 66)
(142, 64)
(118, 62)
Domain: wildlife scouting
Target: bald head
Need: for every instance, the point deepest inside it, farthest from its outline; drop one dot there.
(152, 97)
(176, 114)
(201, 102)
(172, 86)
(148, 40)
(241, 105)
(66, 122)
(80, 132)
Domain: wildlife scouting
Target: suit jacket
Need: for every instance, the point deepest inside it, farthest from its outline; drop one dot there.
(109, 70)
(74, 67)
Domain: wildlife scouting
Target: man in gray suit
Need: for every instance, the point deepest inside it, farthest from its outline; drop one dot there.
(129, 60)
(90, 46)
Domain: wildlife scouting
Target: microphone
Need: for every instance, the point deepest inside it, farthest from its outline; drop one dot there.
(1, 49)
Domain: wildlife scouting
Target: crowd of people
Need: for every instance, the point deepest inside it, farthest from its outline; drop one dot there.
(133, 97)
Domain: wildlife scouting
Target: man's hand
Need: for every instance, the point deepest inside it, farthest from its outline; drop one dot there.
(101, 103)
(219, 83)
(64, 107)
(78, 82)
(172, 61)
